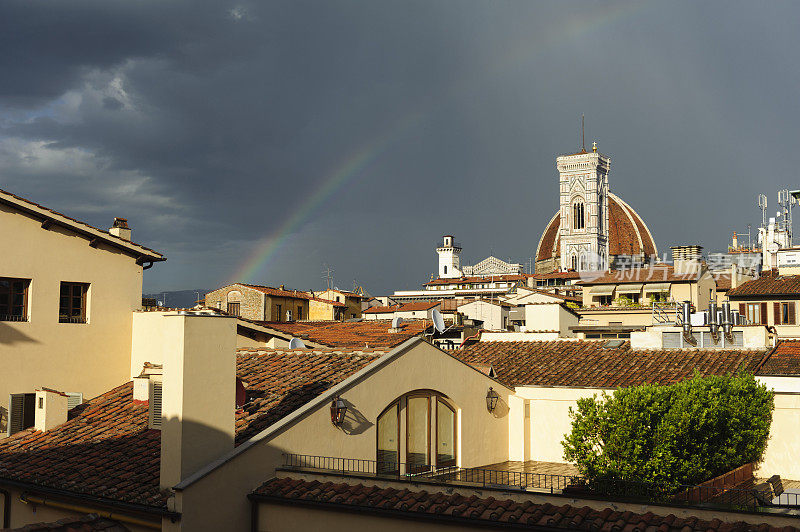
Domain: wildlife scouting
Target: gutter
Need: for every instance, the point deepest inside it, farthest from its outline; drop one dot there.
(33, 500)
(90, 499)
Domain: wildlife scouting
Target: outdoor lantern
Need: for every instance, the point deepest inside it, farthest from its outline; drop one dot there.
(338, 410)
(491, 399)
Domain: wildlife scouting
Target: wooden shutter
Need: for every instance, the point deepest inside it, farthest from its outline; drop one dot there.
(763, 313)
(154, 403)
(742, 310)
(16, 407)
(776, 313)
(791, 313)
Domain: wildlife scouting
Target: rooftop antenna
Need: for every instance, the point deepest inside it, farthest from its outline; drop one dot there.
(762, 204)
(327, 275)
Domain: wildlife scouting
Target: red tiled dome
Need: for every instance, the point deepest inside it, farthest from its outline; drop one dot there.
(627, 233)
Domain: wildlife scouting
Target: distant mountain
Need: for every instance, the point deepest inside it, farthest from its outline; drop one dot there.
(178, 298)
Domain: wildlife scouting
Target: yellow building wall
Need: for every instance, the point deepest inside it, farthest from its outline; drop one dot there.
(319, 311)
(482, 436)
(72, 357)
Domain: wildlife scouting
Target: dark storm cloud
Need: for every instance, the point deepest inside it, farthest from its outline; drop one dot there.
(208, 124)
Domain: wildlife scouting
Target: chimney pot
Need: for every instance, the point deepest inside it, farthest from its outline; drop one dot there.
(121, 229)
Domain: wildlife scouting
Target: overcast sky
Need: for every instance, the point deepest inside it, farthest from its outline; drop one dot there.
(259, 141)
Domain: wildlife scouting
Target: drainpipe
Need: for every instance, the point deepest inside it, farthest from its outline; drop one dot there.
(687, 324)
(6, 508)
(29, 499)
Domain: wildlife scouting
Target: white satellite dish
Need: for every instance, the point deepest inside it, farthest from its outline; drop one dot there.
(396, 322)
(296, 343)
(438, 320)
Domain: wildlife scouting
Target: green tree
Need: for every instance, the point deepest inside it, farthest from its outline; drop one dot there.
(684, 433)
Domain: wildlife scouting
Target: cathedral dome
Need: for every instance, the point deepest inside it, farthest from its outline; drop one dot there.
(627, 235)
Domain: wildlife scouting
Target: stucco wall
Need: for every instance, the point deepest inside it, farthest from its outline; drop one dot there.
(87, 357)
(482, 437)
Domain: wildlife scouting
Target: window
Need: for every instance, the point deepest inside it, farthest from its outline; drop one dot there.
(605, 301)
(445, 270)
(430, 434)
(21, 412)
(756, 313)
(13, 299)
(784, 313)
(575, 263)
(280, 310)
(72, 303)
(299, 312)
(234, 309)
(577, 215)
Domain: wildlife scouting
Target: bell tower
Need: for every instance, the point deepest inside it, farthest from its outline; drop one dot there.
(449, 258)
(583, 186)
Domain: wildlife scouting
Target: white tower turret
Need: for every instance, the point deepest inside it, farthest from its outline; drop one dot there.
(449, 258)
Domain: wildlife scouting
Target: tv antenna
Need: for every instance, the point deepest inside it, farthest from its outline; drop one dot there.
(762, 204)
(327, 276)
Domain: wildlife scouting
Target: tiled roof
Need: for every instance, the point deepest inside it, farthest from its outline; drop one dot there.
(658, 273)
(86, 523)
(105, 234)
(403, 307)
(769, 284)
(723, 281)
(625, 230)
(475, 510)
(784, 359)
(106, 450)
(556, 275)
(588, 363)
(489, 301)
(479, 279)
(351, 334)
(280, 381)
(294, 294)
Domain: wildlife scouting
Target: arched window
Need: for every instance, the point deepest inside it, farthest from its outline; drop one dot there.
(577, 214)
(600, 217)
(430, 433)
(575, 262)
(583, 262)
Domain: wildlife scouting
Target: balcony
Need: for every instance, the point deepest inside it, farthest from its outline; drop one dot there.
(737, 490)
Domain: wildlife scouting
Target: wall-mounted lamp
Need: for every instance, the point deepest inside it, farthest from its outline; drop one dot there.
(338, 410)
(491, 399)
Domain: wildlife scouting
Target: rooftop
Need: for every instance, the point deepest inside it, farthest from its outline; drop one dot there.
(479, 279)
(106, 450)
(769, 284)
(658, 273)
(351, 334)
(591, 363)
(784, 360)
(403, 307)
(294, 294)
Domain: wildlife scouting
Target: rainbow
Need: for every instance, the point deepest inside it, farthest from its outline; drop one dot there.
(580, 23)
(351, 167)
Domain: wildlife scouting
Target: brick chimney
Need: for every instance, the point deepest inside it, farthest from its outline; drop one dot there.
(121, 229)
(687, 259)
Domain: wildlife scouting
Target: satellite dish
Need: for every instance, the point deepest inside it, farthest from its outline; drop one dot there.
(396, 322)
(296, 343)
(438, 321)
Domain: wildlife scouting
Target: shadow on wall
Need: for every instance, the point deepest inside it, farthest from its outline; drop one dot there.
(354, 422)
(11, 336)
(501, 409)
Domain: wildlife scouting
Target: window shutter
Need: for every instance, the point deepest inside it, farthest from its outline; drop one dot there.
(742, 310)
(154, 413)
(16, 407)
(791, 312)
(776, 313)
(763, 313)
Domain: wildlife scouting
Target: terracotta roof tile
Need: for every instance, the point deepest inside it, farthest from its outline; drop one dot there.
(352, 334)
(86, 523)
(588, 363)
(106, 450)
(294, 294)
(403, 307)
(783, 360)
(657, 273)
(478, 510)
(479, 279)
(769, 284)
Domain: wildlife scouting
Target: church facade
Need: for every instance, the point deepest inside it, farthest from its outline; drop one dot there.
(593, 228)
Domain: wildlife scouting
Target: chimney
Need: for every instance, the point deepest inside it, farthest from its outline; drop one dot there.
(51, 409)
(198, 392)
(282, 287)
(121, 229)
(687, 259)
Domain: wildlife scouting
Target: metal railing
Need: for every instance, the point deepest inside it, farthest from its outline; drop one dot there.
(12, 317)
(751, 499)
(666, 313)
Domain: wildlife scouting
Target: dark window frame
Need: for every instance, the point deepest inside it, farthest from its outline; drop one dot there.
(74, 311)
(7, 304)
(234, 308)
